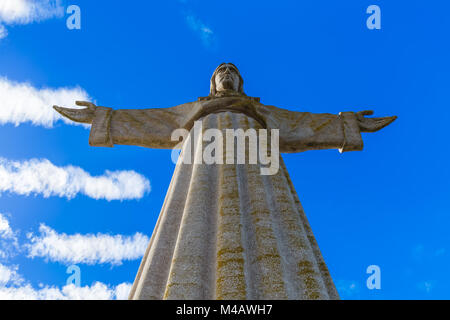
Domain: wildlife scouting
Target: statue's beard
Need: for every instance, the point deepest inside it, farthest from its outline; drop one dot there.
(227, 84)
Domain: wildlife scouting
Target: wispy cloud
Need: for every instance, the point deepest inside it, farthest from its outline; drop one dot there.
(205, 33)
(347, 289)
(21, 103)
(88, 249)
(41, 177)
(14, 287)
(440, 252)
(418, 252)
(27, 11)
(426, 286)
(3, 32)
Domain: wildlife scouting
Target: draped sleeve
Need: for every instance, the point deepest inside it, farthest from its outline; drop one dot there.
(151, 128)
(302, 131)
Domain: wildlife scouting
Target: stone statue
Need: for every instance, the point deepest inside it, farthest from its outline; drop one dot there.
(225, 231)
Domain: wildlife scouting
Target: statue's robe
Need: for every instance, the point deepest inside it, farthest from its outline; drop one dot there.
(226, 231)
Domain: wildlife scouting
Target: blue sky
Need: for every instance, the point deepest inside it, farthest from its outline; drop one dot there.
(385, 206)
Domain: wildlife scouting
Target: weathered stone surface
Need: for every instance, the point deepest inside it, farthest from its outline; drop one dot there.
(225, 231)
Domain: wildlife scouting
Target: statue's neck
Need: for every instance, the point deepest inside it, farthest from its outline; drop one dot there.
(228, 93)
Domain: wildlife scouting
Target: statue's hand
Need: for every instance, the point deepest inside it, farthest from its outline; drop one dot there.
(372, 124)
(85, 115)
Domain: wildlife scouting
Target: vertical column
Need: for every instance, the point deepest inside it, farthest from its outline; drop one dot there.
(230, 281)
(320, 262)
(192, 272)
(302, 275)
(263, 258)
(152, 276)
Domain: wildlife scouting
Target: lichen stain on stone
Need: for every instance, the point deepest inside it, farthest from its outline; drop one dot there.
(235, 250)
(308, 274)
(176, 289)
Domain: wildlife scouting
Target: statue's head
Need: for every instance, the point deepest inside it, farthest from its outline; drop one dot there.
(226, 78)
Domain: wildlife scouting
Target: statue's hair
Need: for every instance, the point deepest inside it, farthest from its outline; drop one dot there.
(213, 90)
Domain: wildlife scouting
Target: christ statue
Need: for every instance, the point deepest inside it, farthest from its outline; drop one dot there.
(226, 231)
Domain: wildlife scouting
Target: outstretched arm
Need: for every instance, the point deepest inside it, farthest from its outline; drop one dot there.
(302, 131)
(150, 128)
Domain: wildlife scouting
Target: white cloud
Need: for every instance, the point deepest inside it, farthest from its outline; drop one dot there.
(8, 239)
(88, 249)
(28, 11)
(97, 291)
(205, 33)
(9, 276)
(5, 229)
(40, 176)
(122, 291)
(14, 287)
(21, 103)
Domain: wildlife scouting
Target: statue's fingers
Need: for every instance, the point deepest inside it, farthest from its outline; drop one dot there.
(66, 111)
(387, 119)
(361, 114)
(88, 104)
(367, 112)
(83, 103)
(383, 122)
(72, 114)
(60, 110)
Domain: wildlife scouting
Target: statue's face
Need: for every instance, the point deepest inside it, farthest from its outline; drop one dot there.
(227, 78)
